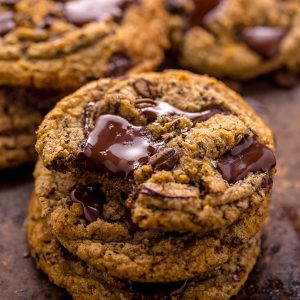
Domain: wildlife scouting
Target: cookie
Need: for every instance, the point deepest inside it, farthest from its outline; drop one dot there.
(59, 45)
(17, 134)
(136, 172)
(98, 228)
(236, 38)
(82, 280)
(186, 133)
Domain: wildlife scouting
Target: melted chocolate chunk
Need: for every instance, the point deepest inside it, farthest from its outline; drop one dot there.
(118, 64)
(117, 146)
(166, 159)
(145, 88)
(92, 199)
(263, 40)
(7, 22)
(80, 12)
(158, 291)
(248, 156)
(202, 10)
(154, 109)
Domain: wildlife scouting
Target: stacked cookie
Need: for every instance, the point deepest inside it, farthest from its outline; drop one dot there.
(50, 48)
(153, 186)
(236, 38)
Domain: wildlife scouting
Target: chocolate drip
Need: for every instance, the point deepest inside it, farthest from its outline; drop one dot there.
(203, 8)
(92, 199)
(155, 109)
(158, 291)
(263, 40)
(116, 146)
(248, 156)
(80, 12)
(7, 22)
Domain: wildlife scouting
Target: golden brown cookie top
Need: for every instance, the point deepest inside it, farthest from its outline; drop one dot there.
(181, 147)
(63, 44)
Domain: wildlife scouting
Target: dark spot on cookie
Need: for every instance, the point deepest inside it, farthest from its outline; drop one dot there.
(145, 88)
(116, 146)
(267, 182)
(7, 22)
(166, 159)
(264, 40)
(118, 64)
(80, 12)
(158, 291)
(236, 242)
(248, 156)
(176, 6)
(203, 10)
(92, 200)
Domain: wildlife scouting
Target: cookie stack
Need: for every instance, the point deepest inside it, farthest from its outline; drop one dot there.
(50, 48)
(153, 186)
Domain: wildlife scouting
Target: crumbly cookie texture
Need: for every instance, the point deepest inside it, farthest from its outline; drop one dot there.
(156, 178)
(236, 38)
(63, 44)
(18, 122)
(114, 244)
(83, 280)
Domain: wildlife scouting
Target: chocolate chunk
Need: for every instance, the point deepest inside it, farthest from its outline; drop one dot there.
(87, 118)
(127, 219)
(118, 64)
(264, 40)
(154, 109)
(158, 291)
(248, 156)
(7, 22)
(176, 6)
(92, 199)
(80, 12)
(145, 88)
(202, 10)
(165, 159)
(149, 191)
(117, 146)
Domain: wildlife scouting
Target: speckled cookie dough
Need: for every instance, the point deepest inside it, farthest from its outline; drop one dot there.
(156, 177)
(18, 122)
(64, 44)
(82, 280)
(239, 39)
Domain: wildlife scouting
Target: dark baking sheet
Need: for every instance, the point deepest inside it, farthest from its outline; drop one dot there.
(277, 274)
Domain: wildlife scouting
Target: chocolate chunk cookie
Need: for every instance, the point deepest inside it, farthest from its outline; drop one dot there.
(63, 44)
(94, 223)
(17, 130)
(82, 280)
(236, 38)
(154, 180)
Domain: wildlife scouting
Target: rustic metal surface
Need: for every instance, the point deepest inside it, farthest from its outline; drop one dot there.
(277, 274)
